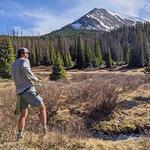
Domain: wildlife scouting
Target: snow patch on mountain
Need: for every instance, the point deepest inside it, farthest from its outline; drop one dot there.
(123, 16)
(76, 26)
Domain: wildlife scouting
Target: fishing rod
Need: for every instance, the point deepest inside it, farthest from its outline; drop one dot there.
(40, 83)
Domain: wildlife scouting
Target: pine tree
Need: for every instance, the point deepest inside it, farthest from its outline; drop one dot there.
(37, 57)
(127, 50)
(58, 69)
(80, 53)
(53, 55)
(67, 60)
(88, 55)
(98, 54)
(142, 54)
(134, 53)
(72, 51)
(146, 47)
(108, 59)
(6, 58)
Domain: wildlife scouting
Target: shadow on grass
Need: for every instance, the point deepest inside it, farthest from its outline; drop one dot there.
(96, 116)
(127, 104)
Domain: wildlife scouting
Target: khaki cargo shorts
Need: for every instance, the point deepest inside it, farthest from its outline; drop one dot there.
(30, 98)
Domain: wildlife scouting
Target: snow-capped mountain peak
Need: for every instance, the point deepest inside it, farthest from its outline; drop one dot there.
(103, 20)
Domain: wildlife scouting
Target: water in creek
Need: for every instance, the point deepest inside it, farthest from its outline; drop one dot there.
(115, 137)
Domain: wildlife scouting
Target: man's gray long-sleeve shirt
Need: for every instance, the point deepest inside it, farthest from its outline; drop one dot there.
(22, 75)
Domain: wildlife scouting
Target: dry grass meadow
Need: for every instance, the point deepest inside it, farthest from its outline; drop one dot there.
(90, 110)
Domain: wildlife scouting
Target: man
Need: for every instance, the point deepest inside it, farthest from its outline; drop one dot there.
(26, 93)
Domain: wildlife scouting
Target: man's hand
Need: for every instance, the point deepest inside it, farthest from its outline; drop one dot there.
(38, 80)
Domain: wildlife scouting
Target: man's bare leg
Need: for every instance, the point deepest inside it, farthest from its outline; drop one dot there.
(22, 119)
(43, 116)
(21, 123)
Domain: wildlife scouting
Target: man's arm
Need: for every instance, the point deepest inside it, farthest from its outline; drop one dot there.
(27, 70)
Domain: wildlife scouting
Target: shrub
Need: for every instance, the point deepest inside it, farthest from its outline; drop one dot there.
(58, 69)
(125, 82)
(6, 58)
(97, 98)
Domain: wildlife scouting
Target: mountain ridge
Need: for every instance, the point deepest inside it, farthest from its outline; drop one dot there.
(102, 20)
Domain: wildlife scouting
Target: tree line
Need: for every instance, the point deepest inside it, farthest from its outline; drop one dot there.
(127, 45)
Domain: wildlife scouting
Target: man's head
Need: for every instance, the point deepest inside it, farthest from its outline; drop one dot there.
(23, 53)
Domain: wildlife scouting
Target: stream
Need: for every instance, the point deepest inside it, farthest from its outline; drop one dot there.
(115, 137)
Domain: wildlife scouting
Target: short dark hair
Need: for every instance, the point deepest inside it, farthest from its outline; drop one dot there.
(19, 54)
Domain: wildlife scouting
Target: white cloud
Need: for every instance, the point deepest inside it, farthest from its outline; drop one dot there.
(147, 8)
(130, 7)
(43, 22)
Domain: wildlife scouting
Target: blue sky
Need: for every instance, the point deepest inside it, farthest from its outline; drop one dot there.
(43, 16)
